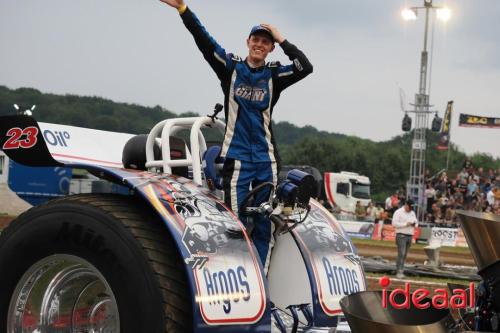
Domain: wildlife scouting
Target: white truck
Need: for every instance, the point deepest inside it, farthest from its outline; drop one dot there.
(344, 189)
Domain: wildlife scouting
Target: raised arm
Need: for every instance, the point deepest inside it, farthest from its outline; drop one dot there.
(213, 53)
(300, 67)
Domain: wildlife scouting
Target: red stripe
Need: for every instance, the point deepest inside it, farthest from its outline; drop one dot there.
(86, 159)
(328, 189)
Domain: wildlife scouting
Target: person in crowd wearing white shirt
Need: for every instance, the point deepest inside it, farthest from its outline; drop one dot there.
(490, 196)
(404, 221)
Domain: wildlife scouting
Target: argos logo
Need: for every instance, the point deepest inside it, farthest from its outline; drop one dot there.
(227, 286)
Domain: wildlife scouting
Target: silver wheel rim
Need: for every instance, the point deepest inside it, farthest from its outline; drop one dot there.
(63, 294)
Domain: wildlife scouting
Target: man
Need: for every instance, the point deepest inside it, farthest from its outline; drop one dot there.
(251, 88)
(405, 221)
(394, 202)
(360, 211)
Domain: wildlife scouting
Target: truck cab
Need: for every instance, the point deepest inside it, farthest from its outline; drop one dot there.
(344, 189)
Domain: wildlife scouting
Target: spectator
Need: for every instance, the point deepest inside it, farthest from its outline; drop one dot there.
(371, 212)
(378, 210)
(360, 211)
(468, 165)
(405, 221)
(472, 189)
(430, 194)
(449, 215)
(471, 192)
(490, 196)
(388, 203)
(436, 214)
(394, 202)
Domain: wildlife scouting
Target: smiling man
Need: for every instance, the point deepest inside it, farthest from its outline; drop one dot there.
(251, 88)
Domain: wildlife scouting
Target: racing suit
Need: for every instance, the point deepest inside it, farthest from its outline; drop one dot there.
(249, 147)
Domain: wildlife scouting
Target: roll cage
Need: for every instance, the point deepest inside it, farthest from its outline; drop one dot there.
(198, 146)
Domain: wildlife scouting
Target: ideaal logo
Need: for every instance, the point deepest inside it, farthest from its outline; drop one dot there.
(440, 298)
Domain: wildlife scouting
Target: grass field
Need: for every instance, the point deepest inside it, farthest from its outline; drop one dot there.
(420, 279)
(378, 243)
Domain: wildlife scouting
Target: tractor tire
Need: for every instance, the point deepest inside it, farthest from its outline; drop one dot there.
(92, 263)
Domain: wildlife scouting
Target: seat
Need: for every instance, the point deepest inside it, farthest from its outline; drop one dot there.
(212, 164)
(134, 153)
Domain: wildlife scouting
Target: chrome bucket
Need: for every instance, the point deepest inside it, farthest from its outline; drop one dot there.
(365, 313)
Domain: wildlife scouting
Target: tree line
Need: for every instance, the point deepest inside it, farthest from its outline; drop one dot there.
(387, 163)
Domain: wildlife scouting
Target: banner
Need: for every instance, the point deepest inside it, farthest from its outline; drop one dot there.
(389, 233)
(444, 236)
(357, 229)
(467, 120)
(444, 138)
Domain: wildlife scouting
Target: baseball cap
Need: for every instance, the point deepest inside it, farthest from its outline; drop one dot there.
(259, 28)
(409, 202)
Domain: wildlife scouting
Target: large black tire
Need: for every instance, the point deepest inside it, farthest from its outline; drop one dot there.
(121, 237)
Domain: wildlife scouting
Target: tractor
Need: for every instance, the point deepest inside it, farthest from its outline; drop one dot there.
(165, 254)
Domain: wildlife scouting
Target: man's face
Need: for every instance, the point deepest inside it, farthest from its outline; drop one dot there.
(407, 208)
(259, 46)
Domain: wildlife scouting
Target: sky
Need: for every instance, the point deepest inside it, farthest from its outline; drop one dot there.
(138, 51)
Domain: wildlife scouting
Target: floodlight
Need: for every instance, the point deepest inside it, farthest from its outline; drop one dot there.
(443, 14)
(409, 14)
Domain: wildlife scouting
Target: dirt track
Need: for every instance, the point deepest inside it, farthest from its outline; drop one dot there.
(10, 203)
(415, 255)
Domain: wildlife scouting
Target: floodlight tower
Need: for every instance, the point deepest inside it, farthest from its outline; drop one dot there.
(415, 186)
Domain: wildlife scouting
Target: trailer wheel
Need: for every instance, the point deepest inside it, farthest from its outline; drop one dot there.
(92, 263)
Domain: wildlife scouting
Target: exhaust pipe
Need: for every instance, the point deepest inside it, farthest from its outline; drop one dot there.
(365, 313)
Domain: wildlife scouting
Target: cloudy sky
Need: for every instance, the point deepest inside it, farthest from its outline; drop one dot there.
(138, 51)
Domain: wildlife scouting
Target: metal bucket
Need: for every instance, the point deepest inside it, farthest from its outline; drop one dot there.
(482, 231)
(365, 313)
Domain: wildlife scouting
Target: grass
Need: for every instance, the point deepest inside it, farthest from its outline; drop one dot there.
(421, 278)
(391, 244)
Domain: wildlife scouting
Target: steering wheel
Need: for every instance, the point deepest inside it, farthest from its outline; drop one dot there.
(245, 209)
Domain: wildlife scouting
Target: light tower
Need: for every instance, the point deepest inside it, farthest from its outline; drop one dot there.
(415, 186)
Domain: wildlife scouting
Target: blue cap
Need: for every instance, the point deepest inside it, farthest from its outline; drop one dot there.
(259, 28)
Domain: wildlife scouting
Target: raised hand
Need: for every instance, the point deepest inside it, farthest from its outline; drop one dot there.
(174, 3)
(274, 31)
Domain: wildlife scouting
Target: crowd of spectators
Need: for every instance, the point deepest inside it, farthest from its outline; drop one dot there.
(469, 189)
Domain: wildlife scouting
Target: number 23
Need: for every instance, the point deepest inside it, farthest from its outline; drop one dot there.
(15, 141)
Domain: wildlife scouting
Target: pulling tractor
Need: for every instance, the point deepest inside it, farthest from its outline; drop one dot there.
(165, 254)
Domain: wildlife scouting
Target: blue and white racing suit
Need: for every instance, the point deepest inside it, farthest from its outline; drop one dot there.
(249, 97)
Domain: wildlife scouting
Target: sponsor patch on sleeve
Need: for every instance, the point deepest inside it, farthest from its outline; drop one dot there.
(298, 65)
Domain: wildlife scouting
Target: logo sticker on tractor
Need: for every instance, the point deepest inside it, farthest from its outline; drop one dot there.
(336, 268)
(21, 138)
(230, 291)
(228, 280)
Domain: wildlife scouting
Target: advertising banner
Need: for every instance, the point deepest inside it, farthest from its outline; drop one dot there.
(389, 233)
(444, 236)
(444, 137)
(467, 120)
(358, 229)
